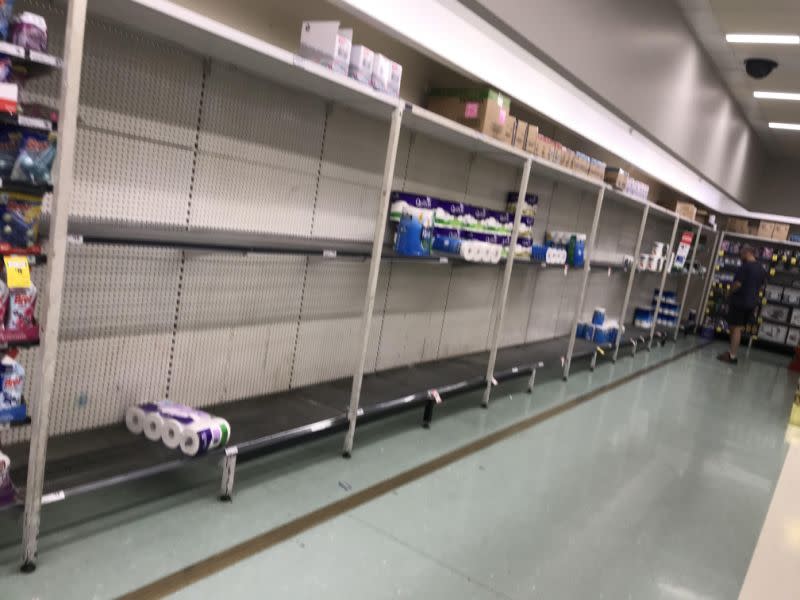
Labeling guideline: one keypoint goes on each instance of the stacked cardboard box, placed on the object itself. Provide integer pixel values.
(482, 109)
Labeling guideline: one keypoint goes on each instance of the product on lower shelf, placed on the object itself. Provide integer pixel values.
(12, 382)
(7, 491)
(29, 31)
(178, 426)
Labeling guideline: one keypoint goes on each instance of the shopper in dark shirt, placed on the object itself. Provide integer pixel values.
(743, 299)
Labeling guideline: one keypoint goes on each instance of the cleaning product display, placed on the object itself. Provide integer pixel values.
(12, 376)
(178, 426)
(643, 317)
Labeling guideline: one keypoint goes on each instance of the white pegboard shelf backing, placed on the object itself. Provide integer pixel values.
(211, 38)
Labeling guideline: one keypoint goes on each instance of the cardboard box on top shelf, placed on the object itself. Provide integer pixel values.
(781, 232)
(687, 210)
(581, 163)
(482, 109)
(532, 138)
(616, 177)
(324, 42)
(736, 225)
(520, 134)
(508, 130)
(765, 229)
(752, 228)
(361, 62)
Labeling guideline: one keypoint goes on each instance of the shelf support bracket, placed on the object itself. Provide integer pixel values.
(51, 309)
(228, 473)
(664, 273)
(631, 278)
(372, 279)
(685, 294)
(598, 207)
(501, 307)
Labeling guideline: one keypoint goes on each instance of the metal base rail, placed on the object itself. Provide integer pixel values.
(513, 363)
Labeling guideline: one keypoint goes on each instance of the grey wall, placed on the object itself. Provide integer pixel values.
(639, 58)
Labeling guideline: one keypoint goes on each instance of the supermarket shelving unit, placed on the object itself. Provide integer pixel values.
(783, 274)
(309, 410)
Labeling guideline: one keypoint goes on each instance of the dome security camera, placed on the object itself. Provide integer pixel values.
(759, 68)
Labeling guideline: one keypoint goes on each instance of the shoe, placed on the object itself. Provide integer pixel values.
(726, 358)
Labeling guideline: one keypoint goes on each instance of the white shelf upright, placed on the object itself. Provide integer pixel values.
(51, 307)
(631, 277)
(374, 268)
(664, 273)
(686, 285)
(498, 322)
(598, 207)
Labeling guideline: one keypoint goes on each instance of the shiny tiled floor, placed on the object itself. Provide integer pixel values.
(657, 489)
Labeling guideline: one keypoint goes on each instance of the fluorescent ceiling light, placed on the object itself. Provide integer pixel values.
(756, 38)
(789, 126)
(777, 96)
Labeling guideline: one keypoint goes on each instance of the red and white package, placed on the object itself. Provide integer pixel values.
(21, 306)
(3, 304)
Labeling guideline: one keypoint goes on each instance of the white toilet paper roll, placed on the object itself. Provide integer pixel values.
(173, 431)
(496, 253)
(203, 436)
(153, 426)
(470, 251)
(485, 250)
(135, 416)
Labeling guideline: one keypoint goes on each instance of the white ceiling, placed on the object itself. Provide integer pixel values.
(712, 19)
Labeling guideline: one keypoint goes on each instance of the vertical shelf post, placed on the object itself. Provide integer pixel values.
(51, 308)
(586, 270)
(631, 277)
(688, 281)
(374, 268)
(664, 273)
(701, 308)
(512, 245)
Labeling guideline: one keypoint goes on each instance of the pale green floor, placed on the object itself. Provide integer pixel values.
(656, 489)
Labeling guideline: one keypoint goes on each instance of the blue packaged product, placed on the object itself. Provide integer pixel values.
(413, 238)
(6, 12)
(581, 330)
(449, 245)
(599, 316)
(10, 140)
(35, 159)
(12, 382)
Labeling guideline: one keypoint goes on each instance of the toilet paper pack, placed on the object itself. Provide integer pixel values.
(414, 204)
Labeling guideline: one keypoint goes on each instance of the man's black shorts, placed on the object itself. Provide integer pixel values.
(740, 317)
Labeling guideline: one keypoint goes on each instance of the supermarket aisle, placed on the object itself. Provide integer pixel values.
(656, 489)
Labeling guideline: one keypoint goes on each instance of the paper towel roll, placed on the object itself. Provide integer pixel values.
(203, 436)
(135, 415)
(153, 426)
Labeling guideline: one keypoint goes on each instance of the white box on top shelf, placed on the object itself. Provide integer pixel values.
(326, 43)
(362, 60)
(386, 75)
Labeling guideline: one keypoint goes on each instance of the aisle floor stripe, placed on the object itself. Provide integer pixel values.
(220, 561)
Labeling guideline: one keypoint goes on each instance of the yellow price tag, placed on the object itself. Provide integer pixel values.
(764, 302)
(717, 268)
(774, 258)
(721, 253)
(772, 272)
(794, 260)
(785, 258)
(18, 272)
